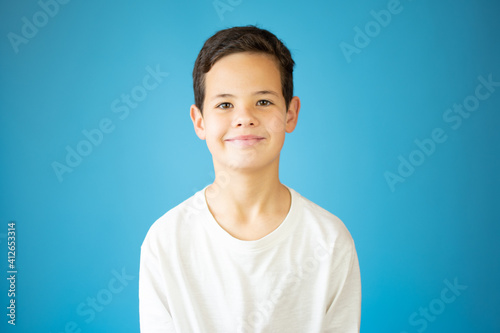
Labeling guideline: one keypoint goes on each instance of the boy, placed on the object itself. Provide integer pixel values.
(247, 253)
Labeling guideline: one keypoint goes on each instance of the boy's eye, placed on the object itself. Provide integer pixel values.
(263, 102)
(224, 105)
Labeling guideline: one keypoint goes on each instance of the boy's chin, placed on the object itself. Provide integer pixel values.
(244, 164)
(235, 165)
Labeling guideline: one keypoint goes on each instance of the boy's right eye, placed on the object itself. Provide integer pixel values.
(224, 105)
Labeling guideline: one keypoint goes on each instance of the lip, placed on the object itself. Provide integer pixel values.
(245, 140)
(245, 137)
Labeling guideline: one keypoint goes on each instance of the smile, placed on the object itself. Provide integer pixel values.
(245, 140)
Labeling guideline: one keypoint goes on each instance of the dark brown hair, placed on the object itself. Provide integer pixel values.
(242, 39)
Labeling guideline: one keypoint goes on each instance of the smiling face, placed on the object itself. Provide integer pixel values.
(244, 113)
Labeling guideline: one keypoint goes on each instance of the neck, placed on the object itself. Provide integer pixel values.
(245, 196)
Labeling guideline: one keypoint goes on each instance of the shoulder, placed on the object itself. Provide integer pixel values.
(173, 225)
(326, 227)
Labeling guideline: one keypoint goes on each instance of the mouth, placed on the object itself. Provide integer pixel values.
(245, 140)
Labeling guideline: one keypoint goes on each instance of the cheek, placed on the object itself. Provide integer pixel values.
(281, 139)
(213, 145)
(277, 123)
(214, 131)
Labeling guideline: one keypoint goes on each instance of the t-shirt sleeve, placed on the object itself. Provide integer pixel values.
(153, 306)
(344, 313)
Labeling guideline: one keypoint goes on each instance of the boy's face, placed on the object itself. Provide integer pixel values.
(244, 113)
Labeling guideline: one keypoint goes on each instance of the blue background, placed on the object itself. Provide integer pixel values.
(359, 114)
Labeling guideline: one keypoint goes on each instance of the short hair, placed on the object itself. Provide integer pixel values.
(242, 39)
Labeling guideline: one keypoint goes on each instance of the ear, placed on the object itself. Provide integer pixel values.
(292, 114)
(198, 122)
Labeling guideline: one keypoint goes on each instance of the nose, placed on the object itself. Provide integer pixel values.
(245, 117)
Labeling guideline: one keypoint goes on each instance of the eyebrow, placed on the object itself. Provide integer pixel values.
(260, 92)
(266, 92)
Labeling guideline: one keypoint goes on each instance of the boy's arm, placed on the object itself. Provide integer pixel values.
(344, 314)
(153, 306)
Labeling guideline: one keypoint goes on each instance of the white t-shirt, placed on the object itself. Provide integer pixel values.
(302, 277)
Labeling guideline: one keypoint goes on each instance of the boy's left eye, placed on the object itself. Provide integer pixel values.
(264, 102)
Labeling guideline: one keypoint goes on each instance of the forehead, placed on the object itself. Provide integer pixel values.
(243, 72)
